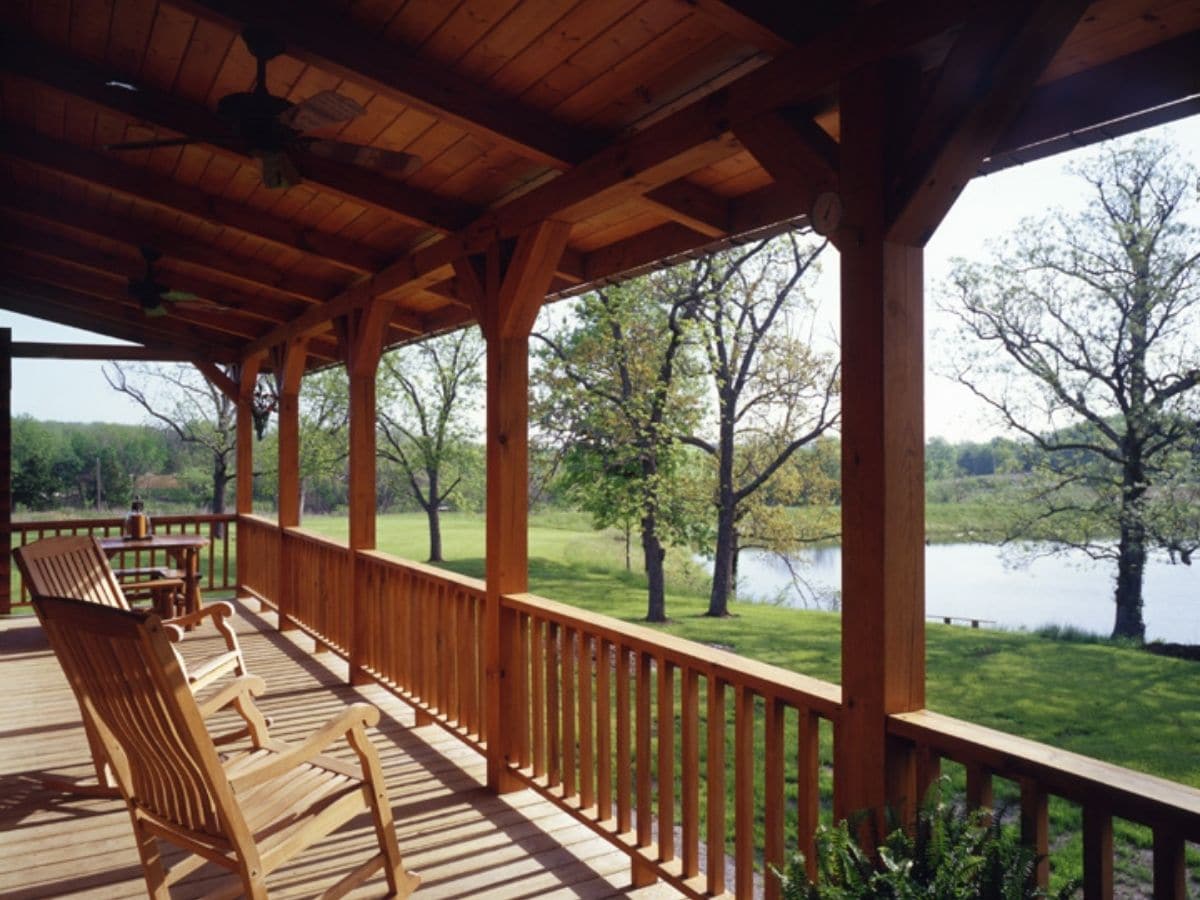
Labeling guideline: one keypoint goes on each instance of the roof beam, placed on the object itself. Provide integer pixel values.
(797, 154)
(930, 184)
(26, 55)
(333, 43)
(1136, 91)
(767, 24)
(131, 181)
(31, 205)
(664, 151)
(96, 352)
(693, 206)
(117, 320)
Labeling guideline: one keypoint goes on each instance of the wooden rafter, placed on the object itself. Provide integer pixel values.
(31, 58)
(771, 26)
(96, 352)
(931, 183)
(334, 44)
(106, 172)
(218, 379)
(31, 206)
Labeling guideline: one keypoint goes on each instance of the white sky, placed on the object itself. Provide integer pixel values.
(989, 208)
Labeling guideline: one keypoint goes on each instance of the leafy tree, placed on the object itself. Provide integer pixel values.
(774, 392)
(1084, 341)
(35, 452)
(426, 391)
(192, 408)
(615, 387)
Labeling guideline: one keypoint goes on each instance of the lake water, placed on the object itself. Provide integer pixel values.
(983, 581)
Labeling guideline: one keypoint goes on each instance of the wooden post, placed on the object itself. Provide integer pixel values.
(289, 371)
(363, 345)
(244, 502)
(506, 294)
(6, 470)
(883, 499)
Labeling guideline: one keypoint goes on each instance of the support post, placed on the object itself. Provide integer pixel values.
(363, 344)
(289, 371)
(883, 500)
(244, 502)
(6, 470)
(507, 291)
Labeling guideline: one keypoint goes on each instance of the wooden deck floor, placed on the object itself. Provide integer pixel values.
(464, 841)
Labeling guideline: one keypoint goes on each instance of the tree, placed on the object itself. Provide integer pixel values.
(425, 393)
(1085, 342)
(615, 388)
(191, 407)
(774, 392)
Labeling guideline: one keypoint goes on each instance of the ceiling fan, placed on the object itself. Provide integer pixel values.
(273, 129)
(151, 293)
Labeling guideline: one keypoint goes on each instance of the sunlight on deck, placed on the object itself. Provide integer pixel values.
(464, 841)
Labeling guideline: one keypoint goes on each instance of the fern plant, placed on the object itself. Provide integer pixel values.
(951, 854)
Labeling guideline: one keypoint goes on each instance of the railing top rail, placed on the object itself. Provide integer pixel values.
(1137, 796)
(428, 571)
(257, 519)
(117, 521)
(313, 537)
(764, 679)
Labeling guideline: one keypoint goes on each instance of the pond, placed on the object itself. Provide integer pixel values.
(984, 581)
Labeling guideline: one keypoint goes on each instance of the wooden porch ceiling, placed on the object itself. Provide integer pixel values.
(654, 127)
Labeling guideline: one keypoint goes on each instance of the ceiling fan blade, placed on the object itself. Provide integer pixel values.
(155, 311)
(151, 145)
(320, 110)
(392, 161)
(178, 296)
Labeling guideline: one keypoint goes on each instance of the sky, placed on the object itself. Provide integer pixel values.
(989, 208)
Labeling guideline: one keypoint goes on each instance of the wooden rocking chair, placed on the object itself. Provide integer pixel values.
(75, 566)
(250, 811)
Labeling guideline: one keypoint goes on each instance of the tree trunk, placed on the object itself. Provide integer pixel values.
(652, 548)
(1131, 557)
(220, 483)
(723, 565)
(435, 521)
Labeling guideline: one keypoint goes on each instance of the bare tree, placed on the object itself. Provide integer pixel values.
(423, 390)
(1084, 341)
(194, 409)
(775, 393)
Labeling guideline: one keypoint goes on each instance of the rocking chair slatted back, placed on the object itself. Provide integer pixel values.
(130, 684)
(70, 565)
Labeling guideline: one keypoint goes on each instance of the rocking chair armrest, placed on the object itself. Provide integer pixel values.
(244, 686)
(217, 610)
(288, 756)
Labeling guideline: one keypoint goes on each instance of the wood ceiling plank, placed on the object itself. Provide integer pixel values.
(129, 33)
(464, 28)
(169, 37)
(91, 21)
(334, 44)
(417, 20)
(118, 176)
(202, 59)
(524, 24)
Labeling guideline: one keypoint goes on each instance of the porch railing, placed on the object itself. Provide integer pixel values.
(666, 747)
(217, 564)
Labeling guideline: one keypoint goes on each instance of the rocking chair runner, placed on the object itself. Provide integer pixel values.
(249, 813)
(75, 566)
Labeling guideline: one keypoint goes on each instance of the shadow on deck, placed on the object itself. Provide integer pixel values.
(463, 840)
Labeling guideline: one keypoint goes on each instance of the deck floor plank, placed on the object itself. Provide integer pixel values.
(463, 840)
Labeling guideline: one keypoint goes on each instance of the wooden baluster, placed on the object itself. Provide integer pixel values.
(587, 758)
(524, 699)
(743, 791)
(480, 614)
(979, 787)
(666, 761)
(624, 761)
(689, 739)
(538, 700)
(568, 712)
(929, 770)
(643, 874)
(553, 744)
(1035, 828)
(1097, 853)
(808, 786)
(715, 778)
(604, 650)
(1170, 869)
(773, 779)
